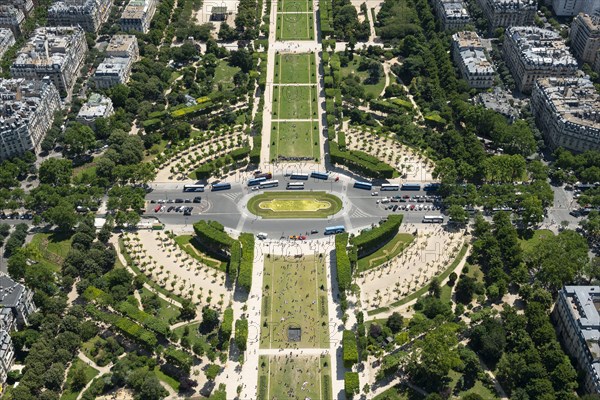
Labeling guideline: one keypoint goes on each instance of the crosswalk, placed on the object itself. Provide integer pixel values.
(232, 196)
(358, 213)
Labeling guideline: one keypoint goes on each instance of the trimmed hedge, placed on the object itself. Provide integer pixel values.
(226, 327)
(360, 162)
(180, 358)
(212, 235)
(235, 258)
(255, 152)
(349, 349)
(342, 261)
(127, 327)
(368, 242)
(93, 294)
(351, 384)
(146, 320)
(241, 333)
(240, 154)
(326, 17)
(247, 261)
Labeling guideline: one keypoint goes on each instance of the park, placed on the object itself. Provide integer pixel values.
(294, 205)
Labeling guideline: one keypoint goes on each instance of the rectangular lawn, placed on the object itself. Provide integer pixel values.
(294, 6)
(295, 102)
(294, 297)
(295, 26)
(295, 68)
(307, 377)
(295, 139)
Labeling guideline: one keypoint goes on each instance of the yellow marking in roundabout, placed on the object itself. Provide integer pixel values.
(281, 205)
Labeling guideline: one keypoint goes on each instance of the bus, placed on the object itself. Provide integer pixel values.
(268, 184)
(303, 177)
(430, 187)
(193, 188)
(319, 175)
(411, 186)
(363, 185)
(332, 230)
(433, 219)
(498, 209)
(389, 186)
(295, 186)
(220, 186)
(256, 181)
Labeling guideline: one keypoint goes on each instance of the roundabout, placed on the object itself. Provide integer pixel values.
(294, 205)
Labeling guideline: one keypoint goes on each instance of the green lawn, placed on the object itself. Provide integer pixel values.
(370, 89)
(90, 373)
(301, 375)
(295, 102)
(224, 75)
(167, 311)
(294, 6)
(534, 241)
(174, 383)
(295, 139)
(53, 248)
(399, 392)
(386, 253)
(477, 388)
(189, 244)
(194, 335)
(294, 204)
(294, 296)
(295, 26)
(295, 68)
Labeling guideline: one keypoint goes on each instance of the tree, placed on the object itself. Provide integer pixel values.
(210, 319)
(78, 139)
(435, 289)
(395, 322)
(533, 211)
(466, 289)
(62, 215)
(56, 172)
(79, 380)
(458, 214)
(211, 371)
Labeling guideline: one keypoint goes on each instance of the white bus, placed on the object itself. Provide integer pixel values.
(433, 219)
(193, 188)
(295, 186)
(389, 186)
(268, 184)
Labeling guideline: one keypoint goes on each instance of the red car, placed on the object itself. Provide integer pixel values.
(301, 237)
(157, 208)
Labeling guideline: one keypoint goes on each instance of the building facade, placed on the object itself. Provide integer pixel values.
(7, 354)
(585, 38)
(469, 55)
(569, 8)
(505, 13)
(26, 113)
(452, 14)
(89, 14)
(578, 325)
(567, 111)
(96, 107)
(7, 39)
(24, 5)
(11, 18)
(532, 53)
(112, 71)
(123, 46)
(57, 53)
(137, 15)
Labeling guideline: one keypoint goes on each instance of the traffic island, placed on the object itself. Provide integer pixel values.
(294, 205)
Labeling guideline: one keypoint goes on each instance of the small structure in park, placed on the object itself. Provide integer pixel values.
(218, 13)
(294, 334)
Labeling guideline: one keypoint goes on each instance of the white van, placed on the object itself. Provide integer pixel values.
(261, 235)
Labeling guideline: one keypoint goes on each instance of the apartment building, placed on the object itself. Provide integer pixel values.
(24, 5)
(11, 18)
(137, 15)
(123, 46)
(505, 13)
(569, 8)
(577, 323)
(452, 14)
(88, 14)
(469, 55)
(96, 107)
(7, 355)
(7, 39)
(567, 111)
(57, 53)
(112, 71)
(585, 38)
(532, 53)
(26, 113)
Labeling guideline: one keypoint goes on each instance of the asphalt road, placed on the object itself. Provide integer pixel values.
(360, 209)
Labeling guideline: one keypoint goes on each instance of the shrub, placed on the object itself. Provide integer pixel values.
(369, 241)
(351, 384)
(241, 333)
(344, 270)
(246, 263)
(350, 349)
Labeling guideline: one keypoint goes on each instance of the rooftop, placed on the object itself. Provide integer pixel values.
(539, 46)
(120, 43)
(10, 291)
(512, 4)
(576, 101)
(48, 46)
(454, 9)
(112, 65)
(96, 106)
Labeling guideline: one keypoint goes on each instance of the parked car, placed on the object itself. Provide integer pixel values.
(197, 199)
